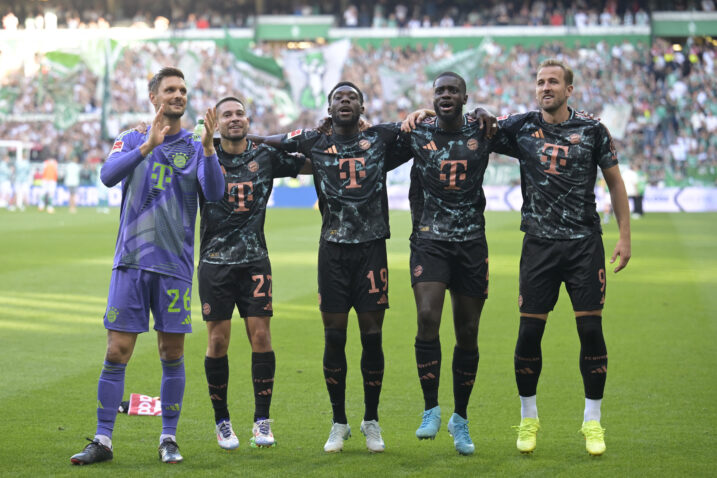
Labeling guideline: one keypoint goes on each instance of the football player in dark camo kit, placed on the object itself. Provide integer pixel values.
(448, 248)
(349, 168)
(559, 151)
(234, 268)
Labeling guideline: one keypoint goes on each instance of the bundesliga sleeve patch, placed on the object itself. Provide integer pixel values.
(294, 133)
(117, 146)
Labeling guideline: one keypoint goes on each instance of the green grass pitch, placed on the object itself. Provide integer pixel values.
(659, 408)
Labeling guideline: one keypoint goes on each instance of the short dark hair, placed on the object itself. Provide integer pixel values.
(345, 83)
(165, 72)
(567, 71)
(453, 75)
(230, 98)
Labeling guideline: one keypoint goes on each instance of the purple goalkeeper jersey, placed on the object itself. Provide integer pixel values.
(159, 200)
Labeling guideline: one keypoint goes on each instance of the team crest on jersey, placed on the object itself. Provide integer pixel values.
(364, 144)
(472, 144)
(429, 120)
(294, 133)
(206, 308)
(180, 160)
(117, 146)
(253, 166)
(574, 138)
(112, 314)
(417, 271)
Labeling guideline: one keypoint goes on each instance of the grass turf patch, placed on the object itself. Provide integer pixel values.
(659, 324)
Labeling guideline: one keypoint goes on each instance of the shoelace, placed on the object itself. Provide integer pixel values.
(526, 431)
(264, 426)
(427, 418)
(462, 430)
(594, 432)
(225, 429)
(372, 431)
(95, 443)
(170, 446)
(336, 432)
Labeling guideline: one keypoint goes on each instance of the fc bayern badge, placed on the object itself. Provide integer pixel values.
(364, 144)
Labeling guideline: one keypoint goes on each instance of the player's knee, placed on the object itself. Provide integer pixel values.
(119, 350)
(170, 350)
(591, 334)
(467, 336)
(261, 339)
(429, 320)
(530, 330)
(218, 346)
(335, 338)
(589, 327)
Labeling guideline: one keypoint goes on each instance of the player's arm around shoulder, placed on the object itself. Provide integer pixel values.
(621, 207)
(286, 164)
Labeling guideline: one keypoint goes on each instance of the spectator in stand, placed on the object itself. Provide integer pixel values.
(72, 181)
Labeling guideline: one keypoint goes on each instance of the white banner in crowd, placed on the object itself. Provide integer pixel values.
(313, 72)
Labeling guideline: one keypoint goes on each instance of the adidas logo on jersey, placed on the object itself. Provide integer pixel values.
(538, 134)
(331, 150)
(430, 146)
(382, 300)
(187, 320)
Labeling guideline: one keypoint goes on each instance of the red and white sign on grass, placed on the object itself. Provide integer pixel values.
(144, 405)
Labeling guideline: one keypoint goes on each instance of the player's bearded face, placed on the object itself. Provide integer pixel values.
(233, 121)
(345, 108)
(172, 93)
(551, 91)
(449, 96)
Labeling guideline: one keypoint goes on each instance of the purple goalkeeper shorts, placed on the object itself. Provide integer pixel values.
(134, 292)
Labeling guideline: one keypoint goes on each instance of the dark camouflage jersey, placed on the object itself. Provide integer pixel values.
(558, 168)
(446, 193)
(350, 179)
(232, 230)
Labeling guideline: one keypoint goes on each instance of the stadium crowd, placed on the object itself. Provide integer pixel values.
(670, 94)
(378, 13)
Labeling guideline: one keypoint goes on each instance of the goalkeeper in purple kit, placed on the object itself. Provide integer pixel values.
(162, 173)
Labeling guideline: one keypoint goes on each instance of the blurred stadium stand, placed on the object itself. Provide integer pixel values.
(74, 73)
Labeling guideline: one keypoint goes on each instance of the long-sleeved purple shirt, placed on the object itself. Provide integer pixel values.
(159, 200)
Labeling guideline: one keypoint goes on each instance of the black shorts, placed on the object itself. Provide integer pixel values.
(222, 286)
(544, 264)
(353, 275)
(462, 266)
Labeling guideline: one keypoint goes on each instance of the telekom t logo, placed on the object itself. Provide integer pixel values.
(453, 174)
(551, 153)
(352, 174)
(240, 193)
(163, 176)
